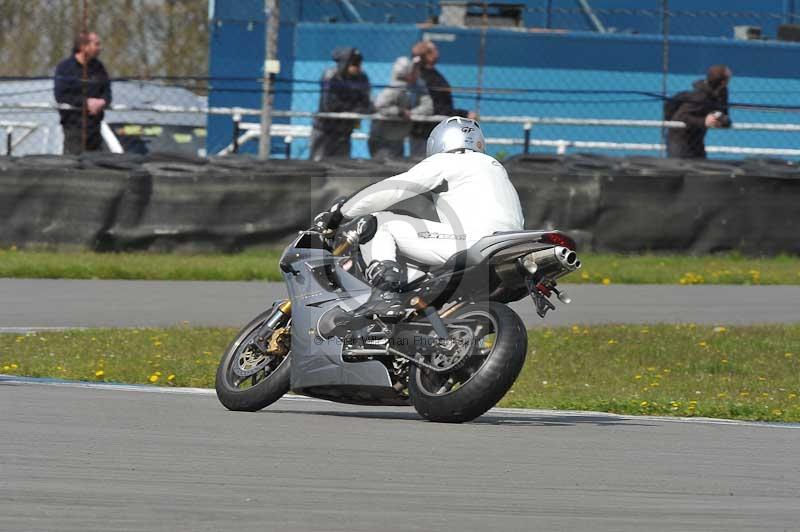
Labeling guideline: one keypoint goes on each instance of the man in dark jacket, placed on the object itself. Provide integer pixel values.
(89, 95)
(344, 89)
(706, 106)
(427, 54)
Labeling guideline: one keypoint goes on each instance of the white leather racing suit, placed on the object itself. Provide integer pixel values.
(472, 195)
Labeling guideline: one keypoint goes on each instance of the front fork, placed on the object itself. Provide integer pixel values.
(279, 313)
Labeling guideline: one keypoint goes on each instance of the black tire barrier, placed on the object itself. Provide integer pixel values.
(111, 161)
(57, 206)
(652, 166)
(772, 168)
(249, 164)
(127, 202)
(49, 161)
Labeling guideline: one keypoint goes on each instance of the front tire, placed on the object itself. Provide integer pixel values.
(268, 383)
(497, 356)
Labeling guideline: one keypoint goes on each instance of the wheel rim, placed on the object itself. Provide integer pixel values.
(247, 366)
(483, 345)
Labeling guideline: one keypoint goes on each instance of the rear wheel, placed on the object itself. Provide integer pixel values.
(486, 371)
(249, 379)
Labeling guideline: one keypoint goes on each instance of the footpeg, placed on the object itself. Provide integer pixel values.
(562, 296)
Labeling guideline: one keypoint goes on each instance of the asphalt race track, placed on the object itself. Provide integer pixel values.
(40, 304)
(88, 459)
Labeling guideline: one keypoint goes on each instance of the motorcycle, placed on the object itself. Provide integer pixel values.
(447, 344)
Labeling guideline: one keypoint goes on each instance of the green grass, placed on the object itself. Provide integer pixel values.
(683, 370)
(248, 266)
(263, 265)
(684, 269)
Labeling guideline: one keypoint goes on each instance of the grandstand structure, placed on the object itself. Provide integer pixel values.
(590, 66)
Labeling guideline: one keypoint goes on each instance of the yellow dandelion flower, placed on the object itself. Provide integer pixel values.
(6, 368)
(792, 396)
(99, 373)
(644, 403)
(744, 394)
(654, 384)
(724, 360)
(777, 412)
(606, 281)
(703, 344)
(722, 395)
(153, 378)
(637, 377)
(14, 366)
(787, 355)
(612, 342)
(585, 276)
(157, 344)
(171, 377)
(719, 329)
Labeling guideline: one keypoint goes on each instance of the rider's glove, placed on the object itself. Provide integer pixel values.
(328, 221)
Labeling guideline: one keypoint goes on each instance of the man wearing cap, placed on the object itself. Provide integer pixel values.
(344, 89)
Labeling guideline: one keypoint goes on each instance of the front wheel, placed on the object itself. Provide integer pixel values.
(249, 379)
(497, 350)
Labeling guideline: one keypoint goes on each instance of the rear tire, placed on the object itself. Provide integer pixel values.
(484, 380)
(262, 393)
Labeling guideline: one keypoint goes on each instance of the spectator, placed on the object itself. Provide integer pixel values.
(706, 106)
(89, 95)
(404, 98)
(344, 88)
(440, 92)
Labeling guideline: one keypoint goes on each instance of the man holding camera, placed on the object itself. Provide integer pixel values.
(704, 107)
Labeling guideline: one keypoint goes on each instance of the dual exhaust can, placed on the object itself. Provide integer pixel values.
(553, 262)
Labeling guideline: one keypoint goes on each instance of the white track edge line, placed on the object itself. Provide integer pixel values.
(12, 379)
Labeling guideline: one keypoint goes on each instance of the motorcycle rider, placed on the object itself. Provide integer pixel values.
(473, 197)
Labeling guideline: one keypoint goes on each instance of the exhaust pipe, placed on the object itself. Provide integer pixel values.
(567, 258)
(558, 258)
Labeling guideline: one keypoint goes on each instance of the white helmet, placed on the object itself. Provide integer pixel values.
(456, 133)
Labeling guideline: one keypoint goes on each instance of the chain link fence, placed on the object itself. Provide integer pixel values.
(543, 75)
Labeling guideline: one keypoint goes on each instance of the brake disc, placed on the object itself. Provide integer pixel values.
(250, 361)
